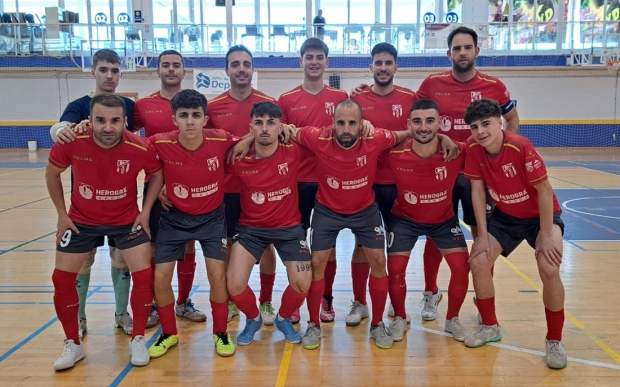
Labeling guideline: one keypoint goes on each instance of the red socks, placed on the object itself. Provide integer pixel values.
(246, 302)
(185, 276)
(486, 307)
(219, 311)
(315, 296)
(397, 271)
(359, 276)
(459, 282)
(432, 261)
(168, 319)
(66, 303)
(291, 300)
(330, 277)
(266, 287)
(141, 300)
(555, 324)
(378, 288)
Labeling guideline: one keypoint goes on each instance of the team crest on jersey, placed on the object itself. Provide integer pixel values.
(494, 195)
(441, 173)
(122, 166)
(181, 191)
(476, 95)
(445, 123)
(213, 164)
(330, 108)
(333, 182)
(529, 167)
(86, 191)
(258, 197)
(509, 170)
(397, 110)
(283, 169)
(361, 161)
(411, 197)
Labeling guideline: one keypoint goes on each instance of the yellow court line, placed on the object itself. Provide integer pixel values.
(569, 315)
(284, 364)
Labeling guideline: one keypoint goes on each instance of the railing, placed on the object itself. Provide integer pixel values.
(354, 39)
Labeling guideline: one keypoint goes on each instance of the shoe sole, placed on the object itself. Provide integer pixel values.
(225, 354)
(244, 344)
(68, 368)
(311, 347)
(141, 364)
(498, 338)
(326, 320)
(165, 352)
(454, 337)
(193, 319)
(557, 368)
(384, 346)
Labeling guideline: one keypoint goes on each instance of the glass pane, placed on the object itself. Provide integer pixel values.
(363, 12)
(245, 29)
(10, 6)
(100, 11)
(163, 29)
(215, 26)
(288, 29)
(404, 12)
(451, 8)
(404, 23)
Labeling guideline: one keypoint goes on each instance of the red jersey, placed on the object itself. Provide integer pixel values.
(233, 116)
(510, 176)
(424, 185)
(194, 178)
(301, 108)
(105, 188)
(345, 175)
(453, 98)
(376, 108)
(154, 114)
(269, 197)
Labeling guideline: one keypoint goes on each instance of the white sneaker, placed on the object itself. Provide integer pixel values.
(556, 355)
(82, 328)
(189, 312)
(232, 311)
(454, 326)
(139, 353)
(268, 313)
(153, 317)
(357, 313)
(70, 355)
(429, 305)
(391, 310)
(398, 327)
(485, 334)
(124, 321)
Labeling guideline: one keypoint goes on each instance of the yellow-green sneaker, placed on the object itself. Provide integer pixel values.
(163, 343)
(223, 344)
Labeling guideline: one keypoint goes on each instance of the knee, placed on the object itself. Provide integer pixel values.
(217, 273)
(549, 273)
(235, 287)
(479, 265)
(302, 283)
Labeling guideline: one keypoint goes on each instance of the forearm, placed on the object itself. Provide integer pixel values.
(545, 207)
(155, 185)
(56, 192)
(57, 128)
(479, 202)
(402, 135)
(512, 124)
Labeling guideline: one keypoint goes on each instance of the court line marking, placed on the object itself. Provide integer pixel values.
(27, 242)
(285, 363)
(21, 171)
(595, 224)
(564, 205)
(608, 350)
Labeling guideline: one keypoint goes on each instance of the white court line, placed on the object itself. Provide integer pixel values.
(525, 350)
(595, 170)
(22, 171)
(564, 204)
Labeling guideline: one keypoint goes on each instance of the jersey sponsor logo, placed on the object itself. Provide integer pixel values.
(509, 170)
(181, 191)
(456, 231)
(283, 169)
(303, 244)
(379, 230)
(225, 243)
(333, 182)
(122, 166)
(206, 190)
(493, 194)
(411, 197)
(257, 197)
(388, 134)
(81, 158)
(86, 191)
(275, 196)
(460, 124)
(441, 173)
(330, 108)
(445, 123)
(537, 164)
(397, 110)
(434, 197)
(361, 161)
(529, 167)
(355, 184)
(476, 95)
(213, 163)
(110, 194)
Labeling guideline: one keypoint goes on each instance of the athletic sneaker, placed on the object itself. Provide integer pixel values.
(391, 310)
(454, 326)
(429, 305)
(246, 337)
(357, 313)
(232, 311)
(285, 325)
(188, 311)
(139, 354)
(124, 321)
(398, 327)
(327, 313)
(267, 312)
(484, 334)
(223, 344)
(162, 345)
(153, 317)
(382, 335)
(556, 356)
(296, 316)
(479, 315)
(71, 354)
(311, 337)
(82, 328)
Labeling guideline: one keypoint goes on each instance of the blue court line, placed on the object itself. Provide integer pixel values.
(27, 242)
(19, 190)
(574, 244)
(25, 204)
(586, 220)
(36, 333)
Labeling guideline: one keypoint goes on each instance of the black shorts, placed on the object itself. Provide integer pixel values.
(290, 242)
(462, 192)
(404, 233)
(385, 194)
(155, 214)
(176, 228)
(307, 197)
(232, 201)
(510, 231)
(365, 225)
(89, 236)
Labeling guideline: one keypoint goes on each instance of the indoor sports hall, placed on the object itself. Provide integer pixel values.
(560, 60)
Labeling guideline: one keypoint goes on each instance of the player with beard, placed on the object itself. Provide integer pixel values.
(154, 114)
(231, 111)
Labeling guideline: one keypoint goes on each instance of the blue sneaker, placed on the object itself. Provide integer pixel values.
(246, 337)
(286, 326)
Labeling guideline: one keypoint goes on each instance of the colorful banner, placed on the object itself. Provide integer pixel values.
(545, 13)
(593, 15)
(436, 35)
(215, 81)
